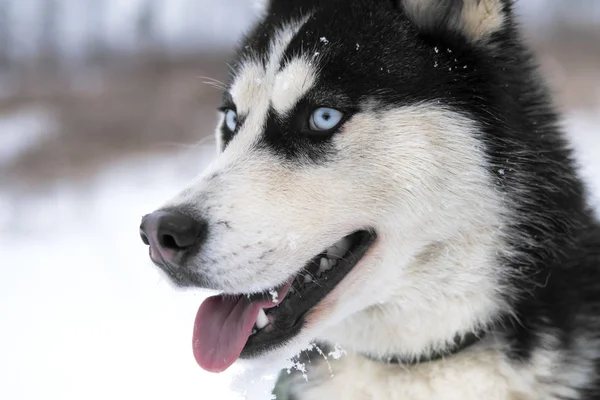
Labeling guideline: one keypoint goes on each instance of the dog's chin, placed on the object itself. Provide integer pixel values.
(272, 321)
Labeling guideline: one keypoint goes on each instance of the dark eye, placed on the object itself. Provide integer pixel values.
(231, 120)
(324, 119)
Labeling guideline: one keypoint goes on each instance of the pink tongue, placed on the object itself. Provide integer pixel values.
(223, 326)
(221, 330)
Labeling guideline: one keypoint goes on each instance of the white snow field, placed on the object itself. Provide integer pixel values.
(84, 314)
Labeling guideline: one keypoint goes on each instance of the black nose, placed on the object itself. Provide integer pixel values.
(169, 233)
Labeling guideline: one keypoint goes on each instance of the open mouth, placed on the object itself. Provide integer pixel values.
(228, 327)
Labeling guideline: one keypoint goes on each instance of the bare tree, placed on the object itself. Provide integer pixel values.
(5, 35)
(146, 28)
(49, 36)
(579, 11)
(97, 49)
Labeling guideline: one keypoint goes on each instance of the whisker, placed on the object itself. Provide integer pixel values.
(215, 83)
(230, 68)
(314, 278)
(208, 78)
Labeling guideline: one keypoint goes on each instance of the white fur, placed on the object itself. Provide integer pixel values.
(481, 18)
(291, 84)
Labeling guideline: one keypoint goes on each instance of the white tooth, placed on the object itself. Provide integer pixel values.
(339, 249)
(262, 320)
(333, 262)
(307, 278)
(324, 265)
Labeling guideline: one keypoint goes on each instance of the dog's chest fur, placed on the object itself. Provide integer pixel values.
(482, 373)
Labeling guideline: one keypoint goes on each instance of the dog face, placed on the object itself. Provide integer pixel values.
(352, 189)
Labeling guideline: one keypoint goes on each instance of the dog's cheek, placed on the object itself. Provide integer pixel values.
(408, 160)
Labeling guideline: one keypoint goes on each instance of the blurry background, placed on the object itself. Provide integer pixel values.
(106, 109)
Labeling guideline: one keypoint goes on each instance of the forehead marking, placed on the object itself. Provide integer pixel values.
(248, 89)
(254, 82)
(292, 83)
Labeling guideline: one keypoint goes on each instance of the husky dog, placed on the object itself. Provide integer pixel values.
(392, 180)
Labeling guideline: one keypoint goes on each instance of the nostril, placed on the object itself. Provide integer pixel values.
(169, 242)
(144, 237)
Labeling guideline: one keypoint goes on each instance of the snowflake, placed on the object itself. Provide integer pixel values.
(297, 365)
(337, 352)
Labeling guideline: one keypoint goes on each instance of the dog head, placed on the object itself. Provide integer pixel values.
(353, 198)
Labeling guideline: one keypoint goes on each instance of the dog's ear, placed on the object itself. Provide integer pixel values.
(261, 6)
(477, 20)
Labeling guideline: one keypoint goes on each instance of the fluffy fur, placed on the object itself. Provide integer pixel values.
(452, 154)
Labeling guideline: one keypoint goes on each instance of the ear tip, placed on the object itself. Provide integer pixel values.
(260, 6)
(430, 14)
(475, 19)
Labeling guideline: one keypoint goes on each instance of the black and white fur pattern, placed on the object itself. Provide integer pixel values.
(452, 154)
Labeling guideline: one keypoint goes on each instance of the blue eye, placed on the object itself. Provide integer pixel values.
(325, 119)
(231, 120)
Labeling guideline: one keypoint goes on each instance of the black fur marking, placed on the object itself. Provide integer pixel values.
(288, 137)
(226, 136)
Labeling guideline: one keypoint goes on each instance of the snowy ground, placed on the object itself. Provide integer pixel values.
(83, 313)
